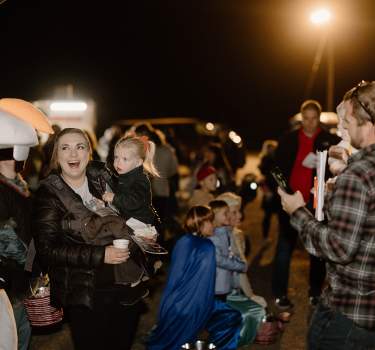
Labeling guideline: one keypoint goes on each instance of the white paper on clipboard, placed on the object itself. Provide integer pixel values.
(320, 174)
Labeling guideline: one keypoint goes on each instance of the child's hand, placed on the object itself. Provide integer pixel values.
(259, 300)
(108, 197)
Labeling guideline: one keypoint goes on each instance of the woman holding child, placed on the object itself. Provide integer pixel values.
(103, 315)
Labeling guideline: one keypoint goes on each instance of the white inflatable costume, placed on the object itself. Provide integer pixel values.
(19, 121)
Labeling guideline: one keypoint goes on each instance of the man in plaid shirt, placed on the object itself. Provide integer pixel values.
(345, 318)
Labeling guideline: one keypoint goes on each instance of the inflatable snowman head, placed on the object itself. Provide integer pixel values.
(19, 121)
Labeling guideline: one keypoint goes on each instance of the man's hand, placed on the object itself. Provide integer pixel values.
(291, 202)
(338, 152)
(108, 197)
(337, 159)
(115, 255)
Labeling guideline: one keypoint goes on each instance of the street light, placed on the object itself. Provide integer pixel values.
(320, 16)
(323, 17)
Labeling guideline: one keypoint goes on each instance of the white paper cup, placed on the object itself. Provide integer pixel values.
(121, 243)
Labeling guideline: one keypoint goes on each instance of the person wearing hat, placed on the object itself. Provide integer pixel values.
(206, 178)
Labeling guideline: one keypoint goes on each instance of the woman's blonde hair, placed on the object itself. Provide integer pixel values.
(54, 164)
(143, 148)
(195, 218)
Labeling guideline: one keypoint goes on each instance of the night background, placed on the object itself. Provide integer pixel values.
(245, 63)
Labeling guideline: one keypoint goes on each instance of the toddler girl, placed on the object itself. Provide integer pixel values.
(133, 161)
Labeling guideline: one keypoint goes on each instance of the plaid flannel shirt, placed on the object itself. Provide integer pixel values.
(346, 239)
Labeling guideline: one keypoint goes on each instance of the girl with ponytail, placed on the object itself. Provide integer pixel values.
(133, 161)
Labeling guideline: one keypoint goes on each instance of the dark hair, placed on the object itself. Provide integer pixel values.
(53, 164)
(146, 129)
(217, 204)
(221, 160)
(195, 218)
(311, 104)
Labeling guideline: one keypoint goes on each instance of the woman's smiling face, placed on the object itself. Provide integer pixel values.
(73, 155)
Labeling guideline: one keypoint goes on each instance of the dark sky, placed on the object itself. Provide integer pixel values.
(245, 63)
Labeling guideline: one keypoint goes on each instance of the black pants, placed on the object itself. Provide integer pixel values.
(281, 263)
(109, 325)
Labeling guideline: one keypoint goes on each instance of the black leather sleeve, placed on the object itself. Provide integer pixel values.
(54, 246)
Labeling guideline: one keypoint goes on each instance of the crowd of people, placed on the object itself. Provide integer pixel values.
(81, 204)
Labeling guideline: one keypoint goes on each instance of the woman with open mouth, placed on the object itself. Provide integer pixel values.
(102, 314)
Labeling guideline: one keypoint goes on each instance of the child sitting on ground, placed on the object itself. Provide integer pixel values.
(189, 292)
(241, 280)
(226, 262)
(242, 297)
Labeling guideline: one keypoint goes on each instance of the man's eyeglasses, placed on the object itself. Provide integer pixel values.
(355, 94)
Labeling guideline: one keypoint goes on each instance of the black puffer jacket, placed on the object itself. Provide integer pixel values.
(70, 262)
(133, 196)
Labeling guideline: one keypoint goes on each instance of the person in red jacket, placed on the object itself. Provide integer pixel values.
(295, 156)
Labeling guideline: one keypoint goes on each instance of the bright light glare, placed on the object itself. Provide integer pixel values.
(237, 139)
(234, 137)
(321, 16)
(210, 126)
(253, 186)
(68, 106)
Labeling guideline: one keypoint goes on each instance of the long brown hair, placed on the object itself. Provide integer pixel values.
(54, 164)
(195, 218)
